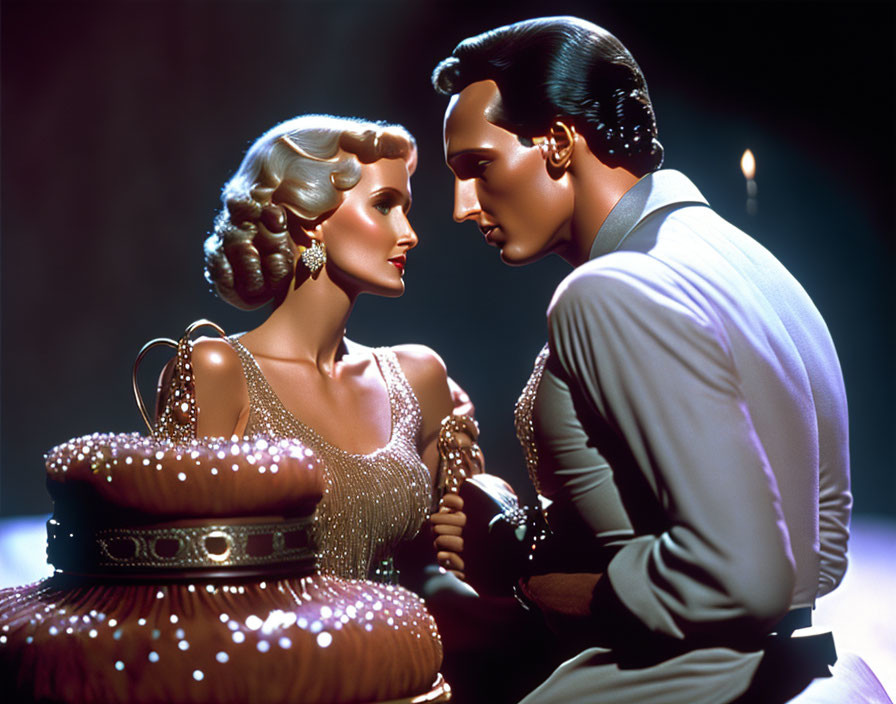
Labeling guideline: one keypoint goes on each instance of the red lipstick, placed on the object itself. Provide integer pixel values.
(399, 262)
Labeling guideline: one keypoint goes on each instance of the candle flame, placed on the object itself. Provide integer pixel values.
(748, 165)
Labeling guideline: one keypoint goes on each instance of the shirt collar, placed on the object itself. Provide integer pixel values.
(654, 191)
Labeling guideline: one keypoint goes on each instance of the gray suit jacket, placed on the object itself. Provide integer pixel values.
(692, 434)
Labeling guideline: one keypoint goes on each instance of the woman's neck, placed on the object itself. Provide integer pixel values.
(308, 326)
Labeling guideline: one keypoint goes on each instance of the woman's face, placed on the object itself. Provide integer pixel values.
(368, 236)
(502, 184)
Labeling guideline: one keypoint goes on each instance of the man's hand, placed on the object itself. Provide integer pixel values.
(564, 599)
(562, 594)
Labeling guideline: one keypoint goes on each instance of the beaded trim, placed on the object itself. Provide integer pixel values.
(178, 418)
(522, 417)
(212, 546)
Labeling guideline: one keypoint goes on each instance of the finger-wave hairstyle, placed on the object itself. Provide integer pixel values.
(554, 67)
(302, 166)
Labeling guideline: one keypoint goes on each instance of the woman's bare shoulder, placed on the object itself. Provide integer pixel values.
(215, 358)
(221, 391)
(428, 377)
(422, 365)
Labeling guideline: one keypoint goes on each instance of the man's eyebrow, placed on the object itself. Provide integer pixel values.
(462, 152)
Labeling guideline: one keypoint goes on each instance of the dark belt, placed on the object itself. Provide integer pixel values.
(807, 650)
(791, 660)
(793, 620)
(813, 649)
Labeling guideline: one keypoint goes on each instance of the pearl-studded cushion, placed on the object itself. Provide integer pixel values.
(202, 478)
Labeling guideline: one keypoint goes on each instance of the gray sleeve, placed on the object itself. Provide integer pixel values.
(658, 370)
(586, 504)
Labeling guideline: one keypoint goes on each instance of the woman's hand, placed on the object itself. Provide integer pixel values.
(448, 524)
(463, 406)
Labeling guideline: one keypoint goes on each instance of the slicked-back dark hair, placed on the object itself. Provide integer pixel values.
(554, 67)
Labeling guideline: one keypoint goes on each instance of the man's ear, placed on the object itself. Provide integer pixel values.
(558, 145)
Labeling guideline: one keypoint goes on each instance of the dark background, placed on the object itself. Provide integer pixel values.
(121, 122)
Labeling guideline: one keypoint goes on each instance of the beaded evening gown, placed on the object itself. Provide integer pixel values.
(185, 568)
(371, 502)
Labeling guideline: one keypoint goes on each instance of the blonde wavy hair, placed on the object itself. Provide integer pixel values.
(302, 166)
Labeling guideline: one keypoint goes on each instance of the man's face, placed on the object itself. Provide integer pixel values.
(502, 184)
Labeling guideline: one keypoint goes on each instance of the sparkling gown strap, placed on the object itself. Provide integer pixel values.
(404, 401)
(178, 415)
(263, 402)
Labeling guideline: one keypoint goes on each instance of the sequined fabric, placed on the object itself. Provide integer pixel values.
(314, 639)
(371, 502)
(522, 417)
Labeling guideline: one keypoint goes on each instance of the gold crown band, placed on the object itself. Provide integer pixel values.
(212, 546)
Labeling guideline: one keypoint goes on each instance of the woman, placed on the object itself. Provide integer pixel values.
(315, 216)
(185, 560)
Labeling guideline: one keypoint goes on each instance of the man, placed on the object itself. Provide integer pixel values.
(687, 419)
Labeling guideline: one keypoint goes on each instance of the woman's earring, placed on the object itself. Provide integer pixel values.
(314, 257)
